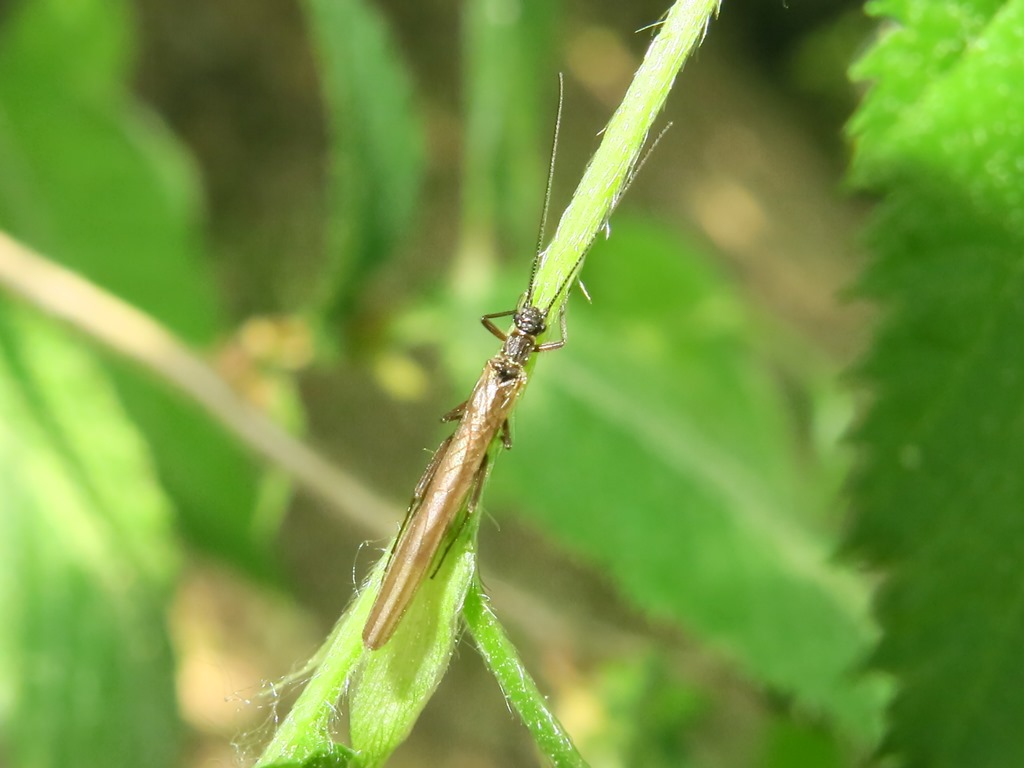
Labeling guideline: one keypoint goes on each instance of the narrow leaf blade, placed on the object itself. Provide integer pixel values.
(376, 144)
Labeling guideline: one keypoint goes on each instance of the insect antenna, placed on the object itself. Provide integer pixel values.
(541, 232)
(633, 173)
(630, 178)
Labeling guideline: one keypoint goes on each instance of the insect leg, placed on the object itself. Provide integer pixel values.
(547, 345)
(490, 326)
(455, 413)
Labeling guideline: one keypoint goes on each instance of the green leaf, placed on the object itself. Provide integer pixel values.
(656, 444)
(387, 688)
(94, 182)
(795, 745)
(337, 757)
(651, 714)
(89, 177)
(395, 682)
(939, 495)
(86, 562)
(906, 65)
(305, 736)
(376, 144)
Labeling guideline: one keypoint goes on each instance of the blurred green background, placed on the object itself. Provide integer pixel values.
(322, 198)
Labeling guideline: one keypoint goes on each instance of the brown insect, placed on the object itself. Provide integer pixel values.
(455, 476)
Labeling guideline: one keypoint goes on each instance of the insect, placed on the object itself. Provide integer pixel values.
(454, 478)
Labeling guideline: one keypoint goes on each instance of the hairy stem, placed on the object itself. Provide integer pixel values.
(610, 169)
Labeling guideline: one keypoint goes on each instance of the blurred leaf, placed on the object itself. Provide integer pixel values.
(91, 178)
(648, 715)
(819, 67)
(93, 181)
(656, 444)
(507, 46)
(791, 745)
(87, 559)
(376, 144)
(940, 491)
(340, 757)
(929, 44)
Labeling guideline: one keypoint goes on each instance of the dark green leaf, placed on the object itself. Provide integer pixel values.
(650, 714)
(95, 183)
(940, 492)
(505, 52)
(793, 745)
(376, 144)
(87, 559)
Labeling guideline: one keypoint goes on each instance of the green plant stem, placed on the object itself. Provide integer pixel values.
(306, 732)
(595, 198)
(520, 691)
(624, 138)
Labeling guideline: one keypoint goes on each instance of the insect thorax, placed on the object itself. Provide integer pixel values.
(515, 353)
